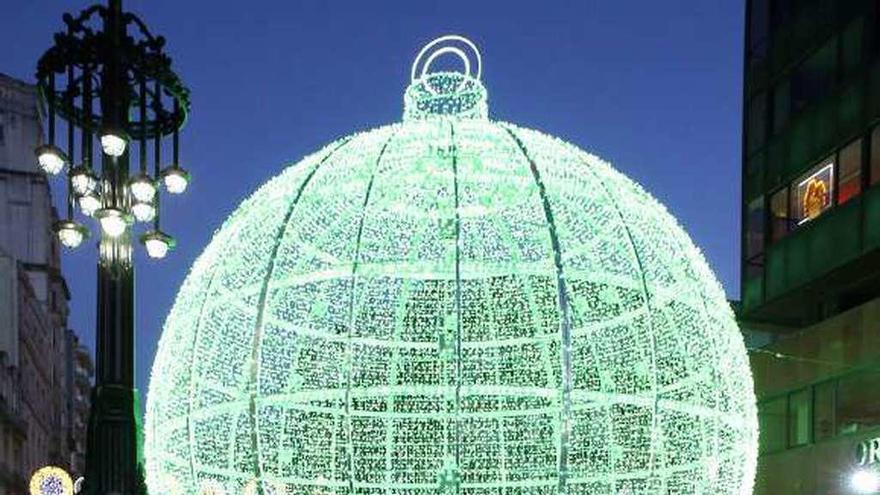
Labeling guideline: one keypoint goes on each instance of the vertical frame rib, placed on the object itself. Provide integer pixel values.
(258, 327)
(564, 318)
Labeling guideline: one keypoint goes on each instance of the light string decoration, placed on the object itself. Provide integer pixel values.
(51, 480)
(451, 305)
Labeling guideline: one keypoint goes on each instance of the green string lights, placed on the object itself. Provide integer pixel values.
(451, 305)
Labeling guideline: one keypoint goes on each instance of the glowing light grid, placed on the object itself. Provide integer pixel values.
(451, 305)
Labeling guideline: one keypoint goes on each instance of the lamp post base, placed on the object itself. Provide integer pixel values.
(114, 460)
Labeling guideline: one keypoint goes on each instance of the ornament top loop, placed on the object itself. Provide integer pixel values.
(444, 93)
(457, 45)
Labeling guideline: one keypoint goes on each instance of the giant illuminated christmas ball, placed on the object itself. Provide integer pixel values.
(451, 304)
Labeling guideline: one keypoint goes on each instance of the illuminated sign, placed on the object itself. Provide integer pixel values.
(868, 452)
(814, 193)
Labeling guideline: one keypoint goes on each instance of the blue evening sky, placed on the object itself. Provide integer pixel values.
(654, 87)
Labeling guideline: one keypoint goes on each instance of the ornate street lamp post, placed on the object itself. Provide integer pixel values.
(107, 76)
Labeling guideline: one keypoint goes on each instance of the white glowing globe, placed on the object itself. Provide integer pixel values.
(175, 181)
(451, 304)
(70, 236)
(112, 221)
(113, 144)
(143, 189)
(156, 248)
(143, 212)
(50, 159)
(89, 204)
(82, 181)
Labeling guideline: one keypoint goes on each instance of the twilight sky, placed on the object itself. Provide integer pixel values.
(653, 87)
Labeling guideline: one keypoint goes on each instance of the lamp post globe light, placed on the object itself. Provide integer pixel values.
(108, 76)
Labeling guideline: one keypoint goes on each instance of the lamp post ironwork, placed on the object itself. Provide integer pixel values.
(108, 76)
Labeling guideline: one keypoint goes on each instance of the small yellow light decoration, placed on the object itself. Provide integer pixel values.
(51, 480)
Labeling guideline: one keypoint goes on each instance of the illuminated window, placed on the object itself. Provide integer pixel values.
(799, 418)
(813, 192)
(779, 221)
(875, 155)
(771, 425)
(850, 160)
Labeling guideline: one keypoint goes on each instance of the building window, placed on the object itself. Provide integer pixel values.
(759, 29)
(779, 221)
(755, 244)
(799, 418)
(850, 182)
(823, 410)
(813, 79)
(756, 132)
(771, 425)
(781, 105)
(813, 192)
(851, 45)
(875, 156)
(781, 12)
(836, 180)
(755, 237)
(858, 402)
(840, 406)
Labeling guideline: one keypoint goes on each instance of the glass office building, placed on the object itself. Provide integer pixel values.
(811, 241)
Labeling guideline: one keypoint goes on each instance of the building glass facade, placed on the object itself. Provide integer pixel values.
(811, 238)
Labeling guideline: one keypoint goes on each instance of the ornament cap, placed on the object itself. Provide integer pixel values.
(446, 93)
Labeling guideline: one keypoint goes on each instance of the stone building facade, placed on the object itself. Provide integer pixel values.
(81, 370)
(38, 356)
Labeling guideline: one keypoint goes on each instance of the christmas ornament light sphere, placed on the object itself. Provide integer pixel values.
(451, 304)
